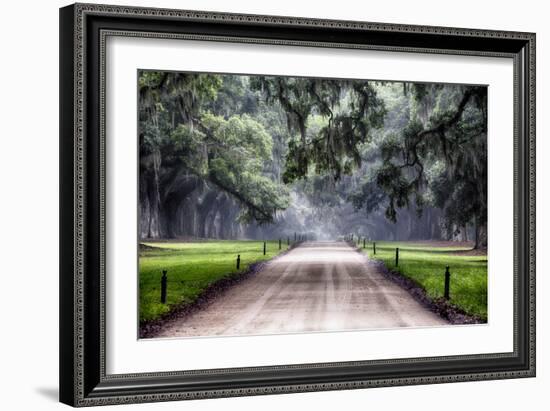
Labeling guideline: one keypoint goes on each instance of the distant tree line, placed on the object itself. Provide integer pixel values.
(229, 156)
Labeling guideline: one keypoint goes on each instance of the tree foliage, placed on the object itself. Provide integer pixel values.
(438, 157)
(350, 109)
(226, 152)
(267, 144)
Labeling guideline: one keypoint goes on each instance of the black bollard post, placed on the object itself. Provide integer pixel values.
(294, 236)
(352, 237)
(238, 261)
(396, 257)
(364, 242)
(264, 247)
(374, 247)
(279, 243)
(288, 241)
(447, 282)
(163, 282)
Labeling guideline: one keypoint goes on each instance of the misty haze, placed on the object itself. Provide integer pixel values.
(271, 204)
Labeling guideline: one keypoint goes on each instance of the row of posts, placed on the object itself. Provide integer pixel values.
(297, 238)
(351, 237)
(447, 272)
(164, 278)
(447, 284)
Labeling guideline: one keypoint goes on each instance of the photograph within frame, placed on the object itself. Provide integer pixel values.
(279, 204)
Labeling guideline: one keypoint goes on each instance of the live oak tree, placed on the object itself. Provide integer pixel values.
(225, 155)
(184, 149)
(438, 157)
(236, 150)
(349, 108)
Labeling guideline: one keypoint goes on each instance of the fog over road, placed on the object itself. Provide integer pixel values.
(318, 286)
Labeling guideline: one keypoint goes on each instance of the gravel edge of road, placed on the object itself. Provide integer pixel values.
(440, 306)
(151, 328)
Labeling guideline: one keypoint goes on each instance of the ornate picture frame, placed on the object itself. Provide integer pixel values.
(84, 30)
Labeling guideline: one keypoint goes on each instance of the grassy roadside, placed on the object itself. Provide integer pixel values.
(192, 267)
(425, 264)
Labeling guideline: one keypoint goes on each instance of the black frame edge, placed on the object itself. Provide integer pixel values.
(66, 203)
(529, 135)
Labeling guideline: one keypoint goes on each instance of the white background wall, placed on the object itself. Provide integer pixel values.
(29, 204)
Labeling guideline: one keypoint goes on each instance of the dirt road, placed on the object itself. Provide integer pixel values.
(318, 286)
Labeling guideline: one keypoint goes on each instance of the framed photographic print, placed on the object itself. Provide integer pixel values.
(261, 204)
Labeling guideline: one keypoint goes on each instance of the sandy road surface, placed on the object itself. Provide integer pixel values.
(319, 286)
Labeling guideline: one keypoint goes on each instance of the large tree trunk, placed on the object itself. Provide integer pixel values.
(150, 199)
(480, 234)
(204, 209)
(476, 227)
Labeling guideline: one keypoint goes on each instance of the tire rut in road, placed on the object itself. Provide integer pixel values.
(315, 287)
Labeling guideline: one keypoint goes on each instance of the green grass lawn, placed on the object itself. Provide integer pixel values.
(425, 264)
(192, 266)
